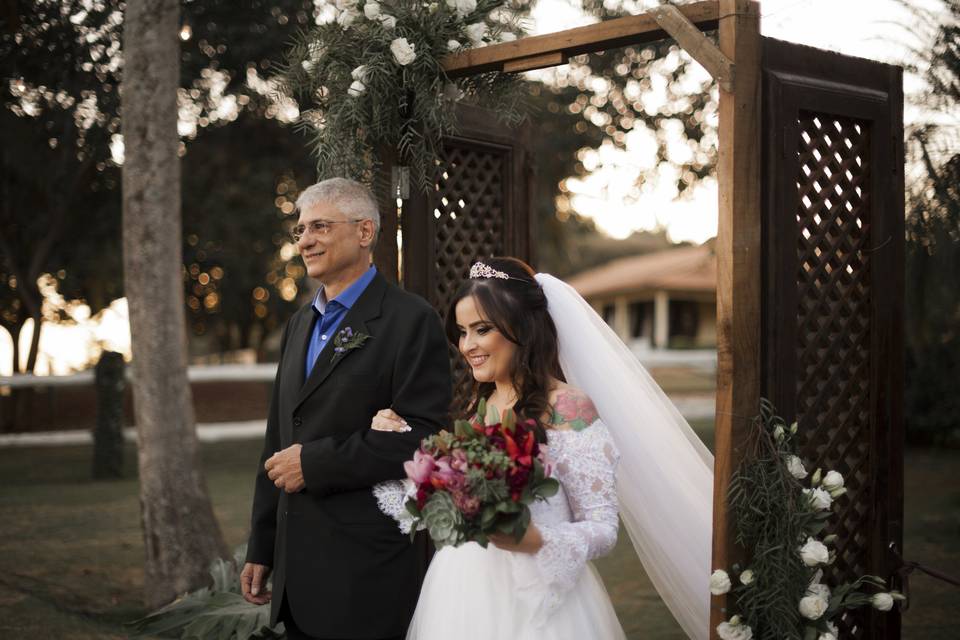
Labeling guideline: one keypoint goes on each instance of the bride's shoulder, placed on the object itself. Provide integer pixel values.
(570, 409)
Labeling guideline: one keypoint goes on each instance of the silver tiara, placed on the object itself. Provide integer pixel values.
(481, 270)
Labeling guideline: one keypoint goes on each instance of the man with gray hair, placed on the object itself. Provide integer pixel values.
(341, 568)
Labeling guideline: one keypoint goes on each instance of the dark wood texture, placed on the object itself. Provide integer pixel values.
(833, 291)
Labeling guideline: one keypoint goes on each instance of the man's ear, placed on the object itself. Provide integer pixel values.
(367, 232)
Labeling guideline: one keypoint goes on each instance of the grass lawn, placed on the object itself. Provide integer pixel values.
(72, 554)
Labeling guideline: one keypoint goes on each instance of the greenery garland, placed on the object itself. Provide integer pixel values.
(780, 595)
(372, 71)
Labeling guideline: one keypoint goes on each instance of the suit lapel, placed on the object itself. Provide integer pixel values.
(366, 308)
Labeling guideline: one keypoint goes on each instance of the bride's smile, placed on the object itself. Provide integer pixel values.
(487, 351)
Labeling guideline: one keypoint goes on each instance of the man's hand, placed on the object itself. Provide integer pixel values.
(284, 469)
(253, 583)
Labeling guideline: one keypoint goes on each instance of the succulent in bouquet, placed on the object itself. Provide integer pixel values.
(479, 479)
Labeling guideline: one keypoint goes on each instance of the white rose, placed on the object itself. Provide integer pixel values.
(463, 7)
(371, 10)
(388, 22)
(719, 582)
(734, 630)
(819, 499)
(347, 18)
(360, 73)
(403, 52)
(882, 601)
(814, 552)
(475, 32)
(453, 45)
(356, 88)
(815, 479)
(832, 629)
(827, 636)
(778, 433)
(508, 36)
(796, 468)
(832, 481)
(746, 577)
(812, 607)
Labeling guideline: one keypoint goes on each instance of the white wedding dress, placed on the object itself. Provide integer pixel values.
(472, 593)
(663, 492)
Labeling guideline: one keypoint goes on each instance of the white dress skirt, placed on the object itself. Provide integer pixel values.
(472, 593)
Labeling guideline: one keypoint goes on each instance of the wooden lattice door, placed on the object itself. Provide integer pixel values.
(479, 206)
(833, 290)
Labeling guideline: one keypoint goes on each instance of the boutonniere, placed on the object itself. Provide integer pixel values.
(347, 340)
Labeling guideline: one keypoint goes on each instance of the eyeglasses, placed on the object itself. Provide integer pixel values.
(317, 227)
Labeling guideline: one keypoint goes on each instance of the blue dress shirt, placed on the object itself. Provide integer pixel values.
(330, 314)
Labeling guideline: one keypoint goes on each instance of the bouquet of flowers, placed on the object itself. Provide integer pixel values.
(478, 480)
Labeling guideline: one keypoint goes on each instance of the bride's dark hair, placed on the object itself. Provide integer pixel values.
(517, 307)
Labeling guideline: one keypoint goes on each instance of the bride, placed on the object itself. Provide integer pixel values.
(614, 442)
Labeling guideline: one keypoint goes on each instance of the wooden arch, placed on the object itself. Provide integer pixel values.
(783, 124)
(736, 66)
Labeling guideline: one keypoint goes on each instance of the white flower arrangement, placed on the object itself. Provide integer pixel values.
(719, 582)
(734, 629)
(781, 524)
(369, 79)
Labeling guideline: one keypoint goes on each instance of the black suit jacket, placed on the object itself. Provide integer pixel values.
(344, 567)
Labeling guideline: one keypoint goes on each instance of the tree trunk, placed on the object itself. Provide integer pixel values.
(180, 532)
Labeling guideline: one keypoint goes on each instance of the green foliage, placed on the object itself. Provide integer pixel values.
(771, 517)
(212, 613)
(774, 517)
(368, 100)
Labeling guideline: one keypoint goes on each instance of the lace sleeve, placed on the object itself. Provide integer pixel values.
(392, 499)
(585, 462)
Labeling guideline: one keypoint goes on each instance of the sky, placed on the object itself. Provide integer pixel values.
(864, 28)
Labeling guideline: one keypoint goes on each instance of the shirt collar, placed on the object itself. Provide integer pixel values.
(348, 297)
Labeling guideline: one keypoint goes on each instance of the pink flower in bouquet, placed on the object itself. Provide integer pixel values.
(420, 468)
(458, 461)
(444, 475)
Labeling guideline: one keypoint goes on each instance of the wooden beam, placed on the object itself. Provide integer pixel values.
(700, 47)
(609, 34)
(738, 268)
(535, 62)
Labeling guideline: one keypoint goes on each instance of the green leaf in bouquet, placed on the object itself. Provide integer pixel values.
(547, 488)
(481, 539)
(493, 416)
(509, 506)
(412, 508)
(488, 517)
(509, 420)
(521, 524)
(482, 412)
(464, 429)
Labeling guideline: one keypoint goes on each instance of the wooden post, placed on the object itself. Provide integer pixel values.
(738, 267)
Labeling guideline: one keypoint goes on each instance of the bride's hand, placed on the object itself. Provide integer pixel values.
(388, 420)
(529, 543)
